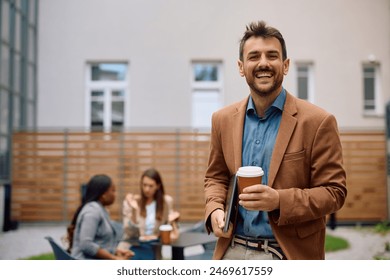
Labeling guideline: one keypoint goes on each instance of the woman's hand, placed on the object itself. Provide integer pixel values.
(148, 237)
(173, 217)
(123, 254)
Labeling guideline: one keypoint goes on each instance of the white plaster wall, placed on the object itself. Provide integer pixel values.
(160, 38)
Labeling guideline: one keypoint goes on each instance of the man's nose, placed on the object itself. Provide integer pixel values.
(263, 61)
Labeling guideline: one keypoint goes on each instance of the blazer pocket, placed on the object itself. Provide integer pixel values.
(294, 156)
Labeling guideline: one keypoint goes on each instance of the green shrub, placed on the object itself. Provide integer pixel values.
(382, 228)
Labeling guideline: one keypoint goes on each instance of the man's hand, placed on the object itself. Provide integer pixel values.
(259, 197)
(218, 222)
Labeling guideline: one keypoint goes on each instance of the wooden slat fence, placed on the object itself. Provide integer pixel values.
(49, 168)
(365, 163)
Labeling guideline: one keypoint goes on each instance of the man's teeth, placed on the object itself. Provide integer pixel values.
(263, 75)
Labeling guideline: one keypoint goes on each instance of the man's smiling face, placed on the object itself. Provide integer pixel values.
(263, 65)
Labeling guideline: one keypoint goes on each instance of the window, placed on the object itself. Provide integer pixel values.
(107, 89)
(305, 81)
(371, 90)
(206, 92)
(18, 80)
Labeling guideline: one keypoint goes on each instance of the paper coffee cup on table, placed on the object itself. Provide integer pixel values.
(165, 234)
(248, 176)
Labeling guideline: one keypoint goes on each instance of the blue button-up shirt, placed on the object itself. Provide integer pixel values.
(258, 143)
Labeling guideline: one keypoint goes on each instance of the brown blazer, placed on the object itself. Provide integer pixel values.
(306, 168)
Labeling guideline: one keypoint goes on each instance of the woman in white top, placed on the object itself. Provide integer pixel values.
(144, 213)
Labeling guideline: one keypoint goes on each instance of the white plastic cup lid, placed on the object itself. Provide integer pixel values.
(166, 228)
(250, 171)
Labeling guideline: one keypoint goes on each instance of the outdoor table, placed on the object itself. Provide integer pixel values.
(188, 239)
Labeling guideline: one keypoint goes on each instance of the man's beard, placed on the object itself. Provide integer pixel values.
(268, 91)
(265, 92)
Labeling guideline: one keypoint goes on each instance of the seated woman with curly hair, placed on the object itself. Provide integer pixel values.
(92, 234)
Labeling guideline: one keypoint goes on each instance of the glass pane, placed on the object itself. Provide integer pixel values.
(18, 4)
(369, 89)
(118, 93)
(205, 72)
(4, 112)
(96, 93)
(30, 82)
(302, 71)
(109, 72)
(30, 47)
(17, 64)
(118, 110)
(368, 71)
(4, 168)
(4, 64)
(30, 115)
(32, 7)
(204, 104)
(97, 114)
(18, 31)
(369, 105)
(5, 21)
(302, 88)
(16, 112)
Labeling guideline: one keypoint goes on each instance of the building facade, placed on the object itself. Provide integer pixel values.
(101, 65)
(171, 63)
(18, 74)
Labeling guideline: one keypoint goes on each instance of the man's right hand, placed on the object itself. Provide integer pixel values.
(218, 222)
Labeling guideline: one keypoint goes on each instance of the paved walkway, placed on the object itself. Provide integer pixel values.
(28, 240)
(365, 243)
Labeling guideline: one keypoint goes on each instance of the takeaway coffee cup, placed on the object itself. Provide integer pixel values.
(248, 176)
(165, 234)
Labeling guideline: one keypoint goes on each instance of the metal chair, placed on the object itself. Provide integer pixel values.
(59, 252)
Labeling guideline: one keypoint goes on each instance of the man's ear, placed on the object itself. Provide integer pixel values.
(286, 66)
(240, 67)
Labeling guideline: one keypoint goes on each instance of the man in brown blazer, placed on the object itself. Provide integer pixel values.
(296, 143)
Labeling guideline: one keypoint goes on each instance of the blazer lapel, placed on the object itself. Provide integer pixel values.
(286, 129)
(238, 130)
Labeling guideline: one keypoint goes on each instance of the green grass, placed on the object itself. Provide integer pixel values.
(333, 243)
(47, 256)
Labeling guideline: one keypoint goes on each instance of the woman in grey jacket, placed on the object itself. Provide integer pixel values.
(92, 234)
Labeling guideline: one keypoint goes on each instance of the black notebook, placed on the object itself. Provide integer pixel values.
(231, 203)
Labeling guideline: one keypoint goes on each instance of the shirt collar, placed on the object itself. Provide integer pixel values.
(277, 104)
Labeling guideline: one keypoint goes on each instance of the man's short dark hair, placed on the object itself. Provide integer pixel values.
(260, 29)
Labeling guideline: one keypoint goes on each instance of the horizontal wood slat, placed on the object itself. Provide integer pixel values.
(50, 167)
(365, 165)
(54, 165)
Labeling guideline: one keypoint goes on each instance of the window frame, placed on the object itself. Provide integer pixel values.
(377, 102)
(107, 87)
(310, 80)
(200, 87)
